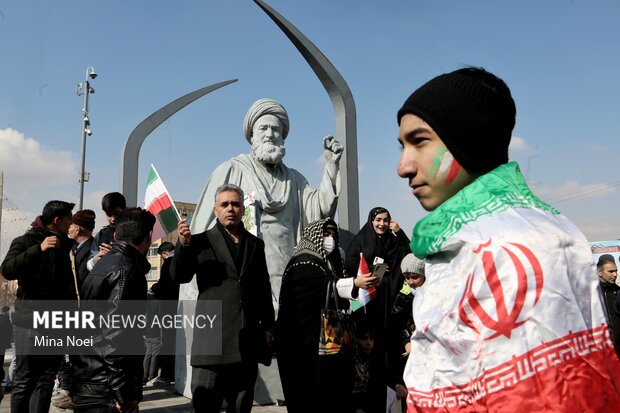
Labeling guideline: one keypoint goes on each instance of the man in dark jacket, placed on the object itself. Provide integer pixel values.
(113, 204)
(230, 266)
(167, 291)
(81, 230)
(40, 261)
(607, 274)
(112, 375)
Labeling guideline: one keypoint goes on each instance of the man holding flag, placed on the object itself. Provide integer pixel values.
(510, 317)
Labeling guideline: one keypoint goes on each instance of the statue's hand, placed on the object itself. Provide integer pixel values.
(332, 149)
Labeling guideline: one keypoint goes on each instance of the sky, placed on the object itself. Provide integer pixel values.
(560, 58)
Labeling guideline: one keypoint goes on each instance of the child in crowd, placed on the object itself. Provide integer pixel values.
(412, 269)
(413, 272)
(365, 344)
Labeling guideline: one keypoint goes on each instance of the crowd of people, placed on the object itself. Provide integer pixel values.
(492, 282)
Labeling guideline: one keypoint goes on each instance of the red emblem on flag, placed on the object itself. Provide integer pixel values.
(497, 284)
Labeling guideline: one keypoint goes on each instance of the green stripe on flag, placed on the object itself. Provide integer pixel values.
(152, 176)
(168, 219)
(494, 192)
(356, 305)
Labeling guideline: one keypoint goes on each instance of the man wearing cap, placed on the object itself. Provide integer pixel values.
(283, 202)
(81, 230)
(607, 274)
(510, 316)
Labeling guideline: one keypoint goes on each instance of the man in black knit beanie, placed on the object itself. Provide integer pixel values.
(511, 286)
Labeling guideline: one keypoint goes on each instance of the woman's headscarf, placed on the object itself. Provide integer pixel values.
(312, 237)
(374, 245)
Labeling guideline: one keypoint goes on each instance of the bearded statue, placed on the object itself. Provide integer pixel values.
(279, 201)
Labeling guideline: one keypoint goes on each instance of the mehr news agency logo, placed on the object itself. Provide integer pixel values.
(62, 328)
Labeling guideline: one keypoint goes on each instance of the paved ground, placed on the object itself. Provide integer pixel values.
(156, 400)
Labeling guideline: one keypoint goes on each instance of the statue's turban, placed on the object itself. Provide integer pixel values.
(261, 108)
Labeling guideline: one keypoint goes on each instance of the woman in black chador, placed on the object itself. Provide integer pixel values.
(312, 383)
(380, 240)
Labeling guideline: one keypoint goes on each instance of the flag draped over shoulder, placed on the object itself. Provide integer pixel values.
(510, 317)
(364, 295)
(158, 202)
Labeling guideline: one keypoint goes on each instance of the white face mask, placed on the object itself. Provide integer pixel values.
(329, 244)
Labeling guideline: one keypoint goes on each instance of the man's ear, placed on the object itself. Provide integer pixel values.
(56, 220)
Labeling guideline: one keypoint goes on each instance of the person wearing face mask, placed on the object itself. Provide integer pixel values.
(306, 377)
(381, 240)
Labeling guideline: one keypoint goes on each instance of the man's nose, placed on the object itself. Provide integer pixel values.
(406, 167)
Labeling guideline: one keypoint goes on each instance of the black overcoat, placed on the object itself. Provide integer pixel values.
(245, 293)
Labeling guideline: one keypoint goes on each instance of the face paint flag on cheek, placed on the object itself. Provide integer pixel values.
(445, 167)
(451, 167)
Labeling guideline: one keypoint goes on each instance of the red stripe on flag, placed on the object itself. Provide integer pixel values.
(454, 170)
(363, 267)
(159, 204)
(370, 292)
(578, 372)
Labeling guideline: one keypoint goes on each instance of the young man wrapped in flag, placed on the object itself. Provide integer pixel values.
(510, 317)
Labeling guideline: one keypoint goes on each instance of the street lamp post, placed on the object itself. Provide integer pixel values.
(85, 89)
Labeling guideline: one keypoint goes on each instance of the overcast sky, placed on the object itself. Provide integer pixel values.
(560, 59)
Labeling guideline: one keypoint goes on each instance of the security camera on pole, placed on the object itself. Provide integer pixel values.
(85, 89)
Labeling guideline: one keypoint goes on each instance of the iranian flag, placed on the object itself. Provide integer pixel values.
(364, 296)
(158, 202)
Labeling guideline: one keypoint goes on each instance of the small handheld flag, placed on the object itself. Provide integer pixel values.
(158, 202)
(364, 295)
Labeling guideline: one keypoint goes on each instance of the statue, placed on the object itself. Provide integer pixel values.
(278, 198)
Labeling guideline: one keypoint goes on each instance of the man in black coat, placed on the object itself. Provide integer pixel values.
(40, 261)
(81, 230)
(113, 204)
(607, 274)
(111, 376)
(230, 266)
(167, 291)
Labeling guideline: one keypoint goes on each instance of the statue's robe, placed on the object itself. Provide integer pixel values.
(284, 205)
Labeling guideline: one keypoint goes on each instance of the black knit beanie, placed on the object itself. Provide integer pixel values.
(473, 113)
